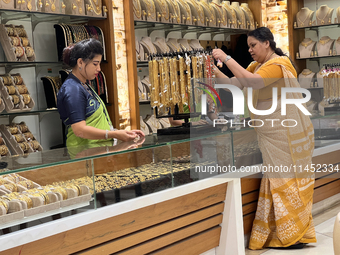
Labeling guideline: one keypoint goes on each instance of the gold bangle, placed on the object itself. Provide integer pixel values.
(17, 80)
(10, 89)
(19, 138)
(26, 98)
(24, 41)
(3, 150)
(29, 51)
(13, 130)
(19, 51)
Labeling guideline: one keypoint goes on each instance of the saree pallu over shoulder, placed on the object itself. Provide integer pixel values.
(283, 215)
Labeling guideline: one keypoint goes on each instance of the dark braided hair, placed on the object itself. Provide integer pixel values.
(86, 49)
(264, 34)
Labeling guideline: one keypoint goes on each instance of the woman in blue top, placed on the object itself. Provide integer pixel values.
(79, 106)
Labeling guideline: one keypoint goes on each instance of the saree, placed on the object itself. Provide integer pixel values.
(283, 216)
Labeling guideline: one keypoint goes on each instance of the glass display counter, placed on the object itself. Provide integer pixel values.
(51, 186)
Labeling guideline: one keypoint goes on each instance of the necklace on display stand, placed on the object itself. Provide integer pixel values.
(306, 44)
(322, 20)
(137, 8)
(323, 42)
(306, 72)
(302, 22)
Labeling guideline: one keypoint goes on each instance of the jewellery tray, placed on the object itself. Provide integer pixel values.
(13, 145)
(9, 6)
(9, 105)
(7, 45)
(40, 148)
(31, 104)
(73, 6)
(16, 211)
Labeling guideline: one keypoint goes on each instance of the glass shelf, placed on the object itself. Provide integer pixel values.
(34, 112)
(318, 58)
(36, 16)
(19, 64)
(169, 27)
(316, 27)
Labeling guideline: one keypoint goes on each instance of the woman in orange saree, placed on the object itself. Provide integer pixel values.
(283, 217)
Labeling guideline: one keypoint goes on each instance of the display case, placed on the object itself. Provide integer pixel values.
(66, 184)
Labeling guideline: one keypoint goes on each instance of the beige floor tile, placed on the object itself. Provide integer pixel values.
(324, 246)
(257, 252)
(326, 215)
(326, 228)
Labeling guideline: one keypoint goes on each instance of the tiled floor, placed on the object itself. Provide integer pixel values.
(324, 223)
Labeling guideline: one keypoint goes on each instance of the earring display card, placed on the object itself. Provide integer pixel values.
(7, 4)
(74, 7)
(28, 5)
(50, 6)
(93, 8)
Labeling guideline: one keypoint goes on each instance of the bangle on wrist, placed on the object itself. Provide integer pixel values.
(107, 134)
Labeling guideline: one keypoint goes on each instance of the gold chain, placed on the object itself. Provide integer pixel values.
(8, 1)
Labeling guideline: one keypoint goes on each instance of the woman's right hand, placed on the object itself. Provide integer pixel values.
(124, 135)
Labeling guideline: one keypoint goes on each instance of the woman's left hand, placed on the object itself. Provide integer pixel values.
(219, 54)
